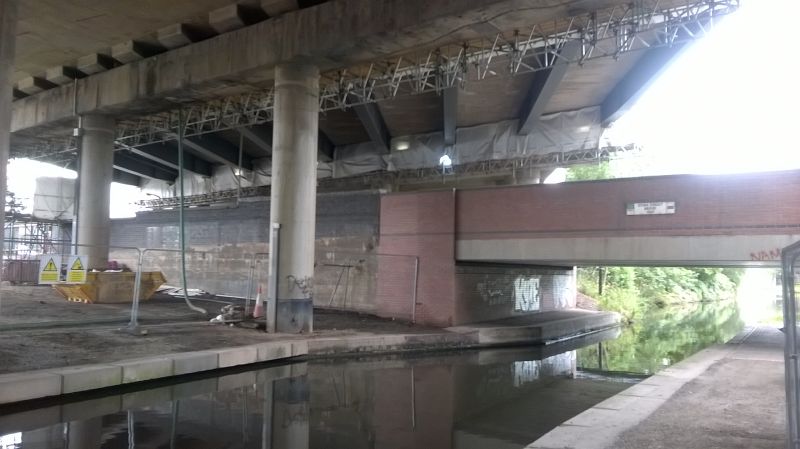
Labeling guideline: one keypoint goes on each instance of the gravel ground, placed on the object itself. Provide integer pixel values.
(55, 332)
(737, 403)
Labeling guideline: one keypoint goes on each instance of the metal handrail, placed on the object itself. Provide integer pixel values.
(789, 256)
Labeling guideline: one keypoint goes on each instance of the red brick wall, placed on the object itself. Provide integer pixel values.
(418, 224)
(763, 203)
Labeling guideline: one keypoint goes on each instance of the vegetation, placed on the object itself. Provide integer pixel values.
(590, 172)
(634, 291)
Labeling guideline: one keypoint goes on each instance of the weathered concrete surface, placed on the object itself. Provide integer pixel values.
(8, 27)
(733, 250)
(94, 192)
(294, 195)
(333, 35)
(726, 396)
(540, 327)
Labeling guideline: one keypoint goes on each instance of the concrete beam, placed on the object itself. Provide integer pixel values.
(144, 168)
(371, 118)
(62, 75)
(450, 108)
(177, 35)
(95, 63)
(218, 151)
(275, 8)
(8, 33)
(234, 16)
(679, 250)
(335, 35)
(545, 84)
(630, 88)
(122, 177)
(260, 135)
(18, 94)
(130, 51)
(166, 154)
(227, 18)
(33, 85)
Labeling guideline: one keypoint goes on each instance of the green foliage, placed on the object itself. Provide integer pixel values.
(590, 172)
(633, 291)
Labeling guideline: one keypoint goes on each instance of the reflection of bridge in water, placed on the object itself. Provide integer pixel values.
(505, 398)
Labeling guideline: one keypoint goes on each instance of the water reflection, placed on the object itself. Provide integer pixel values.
(664, 337)
(498, 398)
(467, 400)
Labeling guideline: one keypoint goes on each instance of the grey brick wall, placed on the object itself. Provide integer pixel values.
(346, 222)
(493, 291)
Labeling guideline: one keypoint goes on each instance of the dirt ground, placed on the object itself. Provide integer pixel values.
(737, 403)
(39, 329)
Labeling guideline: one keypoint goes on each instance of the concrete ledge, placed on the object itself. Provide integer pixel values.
(89, 377)
(275, 351)
(242, 355)
(145, 369)
(193, 362)
(17, 387)
(375, 344)
(502, 333)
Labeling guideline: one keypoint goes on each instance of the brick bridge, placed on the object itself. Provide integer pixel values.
(739, 220)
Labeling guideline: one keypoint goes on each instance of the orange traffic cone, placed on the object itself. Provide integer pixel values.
(259, 309)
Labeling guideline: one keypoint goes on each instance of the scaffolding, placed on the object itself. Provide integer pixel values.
(605, 33)
(382, 179)
(27, 237)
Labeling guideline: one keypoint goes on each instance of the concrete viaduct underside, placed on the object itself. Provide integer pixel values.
(283, 90)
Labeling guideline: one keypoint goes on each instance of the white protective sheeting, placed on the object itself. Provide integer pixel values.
(352, 160)
(559, 132)
(54, 198)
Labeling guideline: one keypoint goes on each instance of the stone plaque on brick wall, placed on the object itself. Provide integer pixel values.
(652, 208)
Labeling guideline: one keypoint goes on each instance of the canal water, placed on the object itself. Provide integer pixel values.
(504, 398)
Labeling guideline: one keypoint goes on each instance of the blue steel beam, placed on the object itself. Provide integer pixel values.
(141, 167)
(126, 178)
(166, 154)
(450, 108)
(218, 151)
(260, 135)
(371, 118)
(545, 84)
(637, 81)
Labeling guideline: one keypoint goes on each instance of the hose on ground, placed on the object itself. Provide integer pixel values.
(181, 226)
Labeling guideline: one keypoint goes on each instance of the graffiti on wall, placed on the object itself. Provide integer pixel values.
(527, 296)
(491, 291)
(763, 255)
(304, 285)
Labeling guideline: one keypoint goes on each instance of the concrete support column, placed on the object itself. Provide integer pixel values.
(94, 189)
(294, 192)
(8, 27)
(290, 419)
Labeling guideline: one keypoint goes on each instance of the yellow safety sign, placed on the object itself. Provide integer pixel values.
(50, 269)
(76, 273)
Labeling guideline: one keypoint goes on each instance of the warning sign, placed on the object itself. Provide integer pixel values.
(50, 269)
(76, 270)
